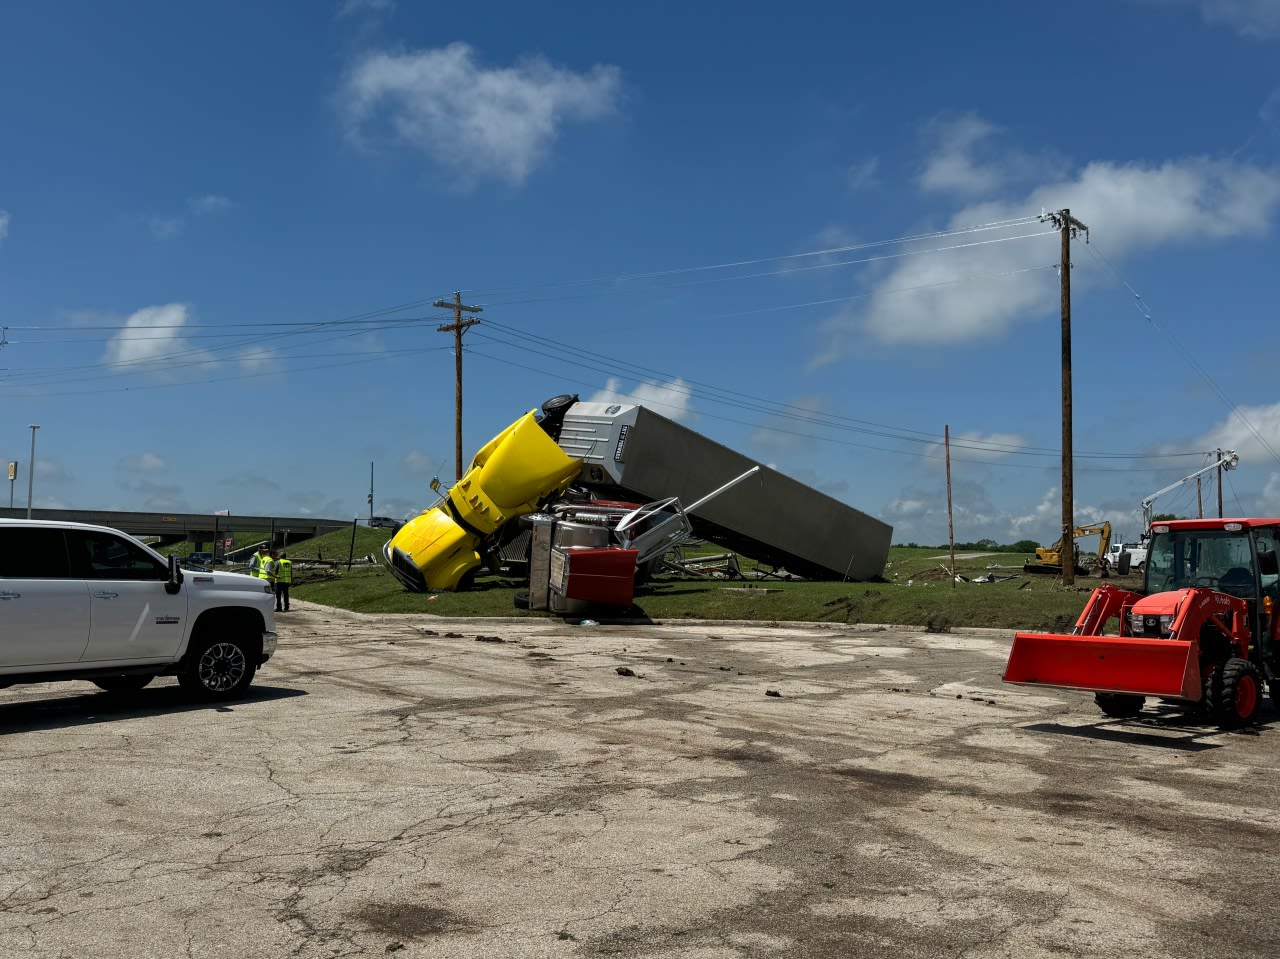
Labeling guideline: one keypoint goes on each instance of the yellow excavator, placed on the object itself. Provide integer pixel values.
(1049, 558)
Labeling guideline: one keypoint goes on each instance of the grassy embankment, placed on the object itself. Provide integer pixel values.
(916, 590)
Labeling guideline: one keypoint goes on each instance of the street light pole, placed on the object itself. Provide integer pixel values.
(31, 468)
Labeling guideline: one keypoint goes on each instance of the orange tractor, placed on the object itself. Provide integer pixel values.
(1204, 629)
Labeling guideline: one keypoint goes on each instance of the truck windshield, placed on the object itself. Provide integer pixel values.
(1200, 557)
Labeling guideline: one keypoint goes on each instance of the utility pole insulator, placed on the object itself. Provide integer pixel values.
(457, 328)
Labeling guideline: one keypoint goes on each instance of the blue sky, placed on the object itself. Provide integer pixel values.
(810, 231)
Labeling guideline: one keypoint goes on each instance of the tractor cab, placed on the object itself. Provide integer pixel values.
(1237, 557)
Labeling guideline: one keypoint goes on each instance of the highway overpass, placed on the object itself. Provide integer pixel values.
(201, 529)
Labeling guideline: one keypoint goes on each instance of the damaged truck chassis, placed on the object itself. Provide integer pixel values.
(592, 481)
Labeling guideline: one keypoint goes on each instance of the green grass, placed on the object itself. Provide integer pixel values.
(916, 590)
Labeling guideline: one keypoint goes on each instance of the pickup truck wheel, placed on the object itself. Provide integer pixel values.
(218, 669)
(122, 684)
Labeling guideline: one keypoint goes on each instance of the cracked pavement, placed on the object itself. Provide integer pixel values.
(422, 787)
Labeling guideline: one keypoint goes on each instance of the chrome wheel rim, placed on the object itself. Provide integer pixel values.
(222, 666)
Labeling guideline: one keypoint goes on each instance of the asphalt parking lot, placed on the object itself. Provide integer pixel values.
(412, 786)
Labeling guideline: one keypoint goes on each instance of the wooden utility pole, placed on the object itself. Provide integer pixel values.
(457, 327)
(1069, 226)
(951, 529)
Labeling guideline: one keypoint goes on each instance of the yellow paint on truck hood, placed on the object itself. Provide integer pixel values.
(509, 477)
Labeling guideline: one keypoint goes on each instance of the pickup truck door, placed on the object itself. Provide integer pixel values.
(44, 613)
(132, 615)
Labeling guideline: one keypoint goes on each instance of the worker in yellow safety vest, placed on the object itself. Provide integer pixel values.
(256, 560)
(284, 577)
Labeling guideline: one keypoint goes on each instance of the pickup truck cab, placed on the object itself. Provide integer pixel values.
(1137, 556)
(93, 603)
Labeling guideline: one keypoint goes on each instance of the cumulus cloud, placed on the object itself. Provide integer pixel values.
(1046, 518)
(973, 446)
(863, 175)
(168, 227)
(352, 7)
(418, 463)
(788, 433)
(671, 399)
(953, 165)
(152, 341)
(473, 121)
(4, 224)
(257, 359)
(157, 497)
(1129, 208)
(1250, 18)
(165, 227)
(208, 203)
(142, 463)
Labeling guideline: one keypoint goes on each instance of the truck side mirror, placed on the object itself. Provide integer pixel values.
(175, 576)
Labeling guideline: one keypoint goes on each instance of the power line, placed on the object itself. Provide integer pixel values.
(1190, 359)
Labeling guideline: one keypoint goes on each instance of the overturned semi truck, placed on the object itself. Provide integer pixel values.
(572, 451)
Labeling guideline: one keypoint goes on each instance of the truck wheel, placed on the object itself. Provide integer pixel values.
(122, 684)
(217, 669)
(1119, 705)
(1233, 693)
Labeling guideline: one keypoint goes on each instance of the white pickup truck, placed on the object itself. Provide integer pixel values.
(1137, 556)
(90, 602)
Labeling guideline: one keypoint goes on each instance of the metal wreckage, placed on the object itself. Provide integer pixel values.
(589, 498)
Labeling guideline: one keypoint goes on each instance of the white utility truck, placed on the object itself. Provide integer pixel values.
(93, 603)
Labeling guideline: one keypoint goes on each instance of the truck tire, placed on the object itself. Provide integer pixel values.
(217, 668)
(123, 684)
(1119, 705)
(1233, 693)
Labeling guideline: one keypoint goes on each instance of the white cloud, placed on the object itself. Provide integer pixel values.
(953, 166)
(473, 121)
(1252, 431)
(418, 463)
(787, 433)
(978, 292)
(1250, 18)
(208, 203)
(159, 497)
(152, 342)
(169, 227)
(257, 359)
(165, 227)
(142, 463)
(4, 224)
(1269, 112)
(352, 7)
(671, 399)
(975, 447)
(863, 174)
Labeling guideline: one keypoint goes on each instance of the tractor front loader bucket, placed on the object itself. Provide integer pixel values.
(1108, 664)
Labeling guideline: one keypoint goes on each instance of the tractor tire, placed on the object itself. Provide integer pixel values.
(1119, 705)
(1274, 685)
(1233, 693)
